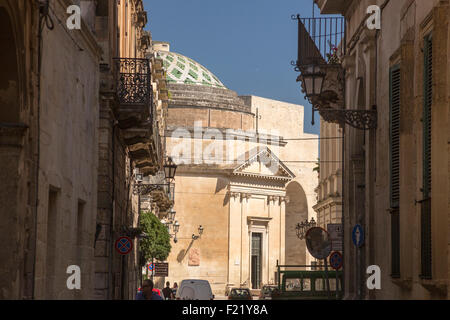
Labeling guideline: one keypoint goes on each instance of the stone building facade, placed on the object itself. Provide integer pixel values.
(232, 179)
(397, 174)
(329, 191)
(69, 147)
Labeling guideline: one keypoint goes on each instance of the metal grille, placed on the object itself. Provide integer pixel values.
(320, 40)
(395, 136)
(133, 83)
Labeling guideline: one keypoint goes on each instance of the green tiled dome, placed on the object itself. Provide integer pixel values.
(181, 69)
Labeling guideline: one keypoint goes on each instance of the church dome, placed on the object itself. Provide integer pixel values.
(183, 70)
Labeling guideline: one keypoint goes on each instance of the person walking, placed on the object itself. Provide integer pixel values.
(147, 292)
(175, 288)
(168, 294)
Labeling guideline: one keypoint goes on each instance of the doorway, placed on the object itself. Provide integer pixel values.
(256, 260)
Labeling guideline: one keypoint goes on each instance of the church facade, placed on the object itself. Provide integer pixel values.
(245, 175)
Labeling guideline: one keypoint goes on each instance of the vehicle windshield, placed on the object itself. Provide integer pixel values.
(240, 292)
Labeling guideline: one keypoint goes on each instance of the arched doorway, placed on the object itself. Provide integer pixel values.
(296, 211)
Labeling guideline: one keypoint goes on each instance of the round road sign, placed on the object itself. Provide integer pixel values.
(124, 245)
(336, 260)
(318, 243)
(150, 267)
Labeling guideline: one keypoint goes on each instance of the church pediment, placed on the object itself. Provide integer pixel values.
(261, 162)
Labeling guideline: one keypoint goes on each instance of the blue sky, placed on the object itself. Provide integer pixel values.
(247, 44)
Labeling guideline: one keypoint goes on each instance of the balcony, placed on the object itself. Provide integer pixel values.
(136, 112)
(321, 51)
(321, 43)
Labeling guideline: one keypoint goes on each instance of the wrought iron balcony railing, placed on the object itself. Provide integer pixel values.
(133, 81)
(320, 40)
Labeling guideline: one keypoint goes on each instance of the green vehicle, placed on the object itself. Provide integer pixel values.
(307, 285)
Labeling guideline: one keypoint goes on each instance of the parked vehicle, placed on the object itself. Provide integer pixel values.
(193, 289)
(266, 292)
(303, 285)
(240, 294)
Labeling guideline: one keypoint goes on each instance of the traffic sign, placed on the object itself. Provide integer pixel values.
(318, 243)
(124, 245)
(336, 260)
(161, 269)
(335, 231)
(358, 235)
(150, 267)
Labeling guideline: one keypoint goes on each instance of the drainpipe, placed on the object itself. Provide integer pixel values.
(43, 17)
(111, 221)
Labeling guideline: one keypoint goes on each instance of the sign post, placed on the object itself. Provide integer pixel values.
(336, 263)
(336, 235)
(358, 241)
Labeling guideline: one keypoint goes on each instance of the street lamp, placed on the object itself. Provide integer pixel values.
(169, 174)
(302, 228)
(313, 79)
(200, 231)
(169, 170)
(172, 214)
(176, 227)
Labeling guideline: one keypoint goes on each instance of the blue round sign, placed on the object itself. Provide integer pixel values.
(150, 267)
(358, 235)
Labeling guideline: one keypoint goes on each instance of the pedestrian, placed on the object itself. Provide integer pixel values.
(175, 288)
(168, 294)
(147, 292)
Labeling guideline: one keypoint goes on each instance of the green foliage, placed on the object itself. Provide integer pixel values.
(317, 167)
(157, 244)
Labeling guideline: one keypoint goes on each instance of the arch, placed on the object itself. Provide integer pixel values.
(9, 72)
(295, 212)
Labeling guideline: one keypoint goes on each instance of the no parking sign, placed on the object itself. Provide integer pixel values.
(124, 245)
(336, 260)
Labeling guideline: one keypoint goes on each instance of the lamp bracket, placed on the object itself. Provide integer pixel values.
(359, 119)
(146, 188)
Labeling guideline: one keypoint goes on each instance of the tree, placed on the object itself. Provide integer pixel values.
(157, 243)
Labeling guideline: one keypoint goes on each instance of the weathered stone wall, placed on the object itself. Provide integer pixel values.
(68, 161)
(400, 41)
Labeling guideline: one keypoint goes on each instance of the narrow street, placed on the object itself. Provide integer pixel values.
(170, 149)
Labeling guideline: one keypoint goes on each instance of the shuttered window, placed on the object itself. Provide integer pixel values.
(426, 160)
(394, 164)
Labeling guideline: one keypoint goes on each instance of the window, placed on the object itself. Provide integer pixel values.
(394, 165)
(321, 284)
(426, 159)
(52, 215)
